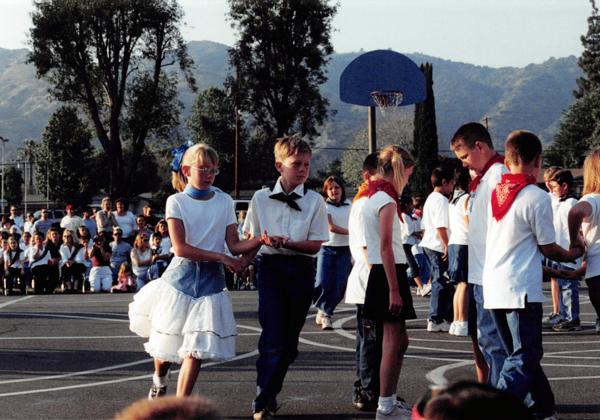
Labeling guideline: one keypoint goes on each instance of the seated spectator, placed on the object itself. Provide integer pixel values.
(28, 224)
(141, 259)
(125, 280)
(16, 217)
(100, 274)
(71, 221)
(13, 267)
(150, 219)
(141, 226)
(194, 408)
(38, 262)
(163, 228)
(160, 258)
(105, 220)
(71, 271)
(90, 222)
(121, 251)
(125, 220)
(44, 223)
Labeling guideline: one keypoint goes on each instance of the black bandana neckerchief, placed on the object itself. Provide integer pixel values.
(289, 199)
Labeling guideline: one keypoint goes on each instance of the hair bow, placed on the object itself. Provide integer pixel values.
(177, 153)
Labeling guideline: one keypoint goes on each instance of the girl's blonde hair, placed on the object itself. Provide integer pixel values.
(591, 173)
(196, 154)
(394, 159)
(125, 268)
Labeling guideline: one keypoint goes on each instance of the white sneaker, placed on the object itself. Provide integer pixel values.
(319, 318)
(461, 328)
(396, 414)
(551, 320)
(326, 323)
(426, 290)
(438, 326)
(598, 326)
(451, 330)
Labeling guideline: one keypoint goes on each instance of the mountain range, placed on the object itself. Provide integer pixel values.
(532, 97)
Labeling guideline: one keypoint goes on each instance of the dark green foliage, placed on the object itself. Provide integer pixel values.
(64, 158)
(280, 59)
(425, 139)
(213, 122)
(13, 184)
(109, 58)
(578, 133)
(590, 57)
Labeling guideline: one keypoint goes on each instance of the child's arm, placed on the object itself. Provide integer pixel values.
(386, 220)
(237, 246)
(306, 247)
(335, 228)
(577, 213)
(557, 253)
(442, 232)
(184, 250)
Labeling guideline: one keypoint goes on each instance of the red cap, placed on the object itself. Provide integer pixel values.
(69, 207)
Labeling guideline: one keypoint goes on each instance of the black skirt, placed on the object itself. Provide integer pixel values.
(377, 296)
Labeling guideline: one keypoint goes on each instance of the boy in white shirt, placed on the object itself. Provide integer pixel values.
(519, 228)
(296, 219)
(435, 244)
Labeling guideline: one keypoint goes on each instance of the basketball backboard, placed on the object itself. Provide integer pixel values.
(382, 71)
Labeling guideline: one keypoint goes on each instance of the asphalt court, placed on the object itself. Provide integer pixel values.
(73, 357)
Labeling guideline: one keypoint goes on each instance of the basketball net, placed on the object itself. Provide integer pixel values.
(387, 99)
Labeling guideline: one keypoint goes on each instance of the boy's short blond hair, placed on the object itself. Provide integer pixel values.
(171, 407)
(290, 145)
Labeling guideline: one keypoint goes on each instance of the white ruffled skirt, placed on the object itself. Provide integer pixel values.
(179, 325)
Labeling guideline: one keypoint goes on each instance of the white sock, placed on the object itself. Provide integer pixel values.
(159, 380)
(385, 405)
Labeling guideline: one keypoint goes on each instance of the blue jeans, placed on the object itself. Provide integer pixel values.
(424, 269)
(442, 292)
(369, 338)
(333, 267)
(522, 374)
(488, 336)
(284, 297)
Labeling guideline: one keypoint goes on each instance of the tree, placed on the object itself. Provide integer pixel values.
(590, 57)
(213, 122)
(109, 58)
(13, 183)
(577, 133)
(280, 60)
(64, 158)
(425, 139)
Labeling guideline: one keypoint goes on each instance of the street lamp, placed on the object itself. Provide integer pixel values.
(4, 141)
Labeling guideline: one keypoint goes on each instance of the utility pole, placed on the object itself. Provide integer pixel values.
(4, 141)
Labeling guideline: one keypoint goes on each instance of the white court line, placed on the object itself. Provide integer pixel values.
(4, 305)
(47, 315)
(437, 376)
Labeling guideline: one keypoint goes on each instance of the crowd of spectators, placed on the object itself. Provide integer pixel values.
(87, 250)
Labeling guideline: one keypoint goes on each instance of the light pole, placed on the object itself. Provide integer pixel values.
(22, 158)
(4, 141)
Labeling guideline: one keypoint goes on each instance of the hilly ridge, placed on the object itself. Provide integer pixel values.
(531, 97)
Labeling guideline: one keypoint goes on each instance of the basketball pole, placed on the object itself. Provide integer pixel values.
(372, 130)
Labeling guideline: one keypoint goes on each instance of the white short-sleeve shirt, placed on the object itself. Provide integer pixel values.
(126, 222)
(513, 262)
(457, 221)
(205, 221)
(359, 275)
(591, 233)
(478, 215)
(339, 216)
(561, 226)
(279, 219)
(370, 219)
(435, 215)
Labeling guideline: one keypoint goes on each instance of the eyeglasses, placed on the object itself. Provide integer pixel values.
(206, 171)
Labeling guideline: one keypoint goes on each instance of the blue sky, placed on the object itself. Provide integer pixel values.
(484, 32)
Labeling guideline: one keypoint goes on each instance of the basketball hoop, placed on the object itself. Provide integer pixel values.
(387, 99)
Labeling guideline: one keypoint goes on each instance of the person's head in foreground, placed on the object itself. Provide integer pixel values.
(171, 408)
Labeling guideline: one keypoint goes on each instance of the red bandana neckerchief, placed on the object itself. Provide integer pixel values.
(475, 181)
(363, 191)
(506, 191)
(388, 188)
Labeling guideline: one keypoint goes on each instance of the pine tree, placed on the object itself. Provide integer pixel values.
(425, 138)
(590, 57)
